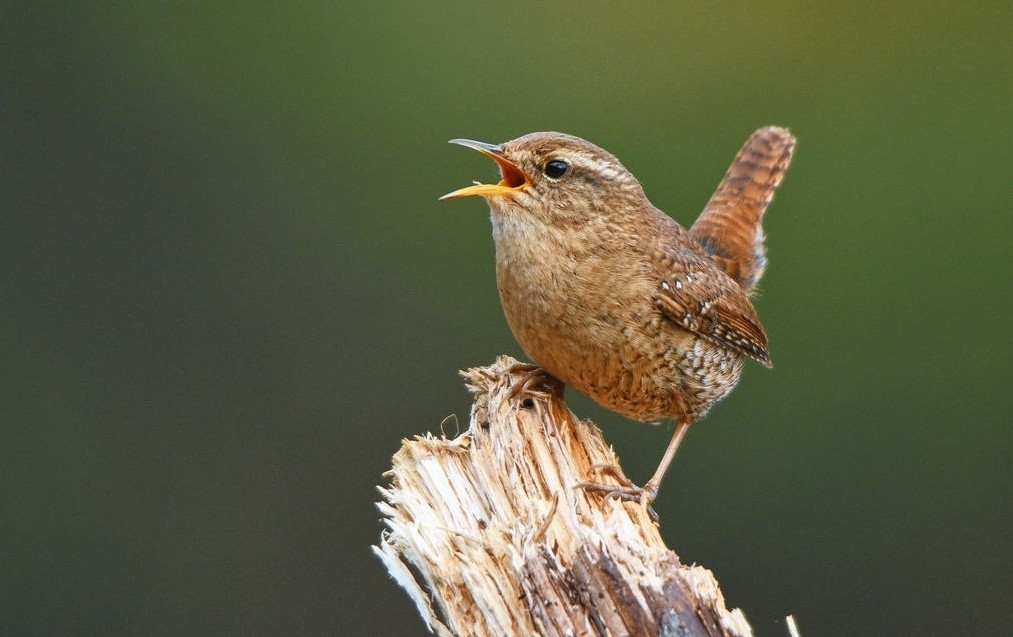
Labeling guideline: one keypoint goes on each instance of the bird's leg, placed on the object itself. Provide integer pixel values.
(628, 491)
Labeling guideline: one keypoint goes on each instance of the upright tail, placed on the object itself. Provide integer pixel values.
(730, 227)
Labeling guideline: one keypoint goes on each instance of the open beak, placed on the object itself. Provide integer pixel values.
(511, 177)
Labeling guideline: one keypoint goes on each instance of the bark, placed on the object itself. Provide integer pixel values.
(489, 536)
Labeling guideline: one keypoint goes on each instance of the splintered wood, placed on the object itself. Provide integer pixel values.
(489, 536)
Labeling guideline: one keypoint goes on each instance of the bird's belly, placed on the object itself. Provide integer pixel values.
(629, 359)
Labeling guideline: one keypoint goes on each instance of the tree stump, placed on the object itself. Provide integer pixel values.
(489, 536)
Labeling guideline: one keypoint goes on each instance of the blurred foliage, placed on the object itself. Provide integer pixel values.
(229, 291)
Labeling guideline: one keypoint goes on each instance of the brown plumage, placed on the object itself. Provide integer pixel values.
(608, 294)
(729, 228)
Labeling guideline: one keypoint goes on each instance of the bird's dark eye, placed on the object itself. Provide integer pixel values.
(556, 168)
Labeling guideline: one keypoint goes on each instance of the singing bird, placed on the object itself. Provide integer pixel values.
(608, 294)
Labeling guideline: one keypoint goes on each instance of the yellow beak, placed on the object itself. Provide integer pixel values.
(511, 177)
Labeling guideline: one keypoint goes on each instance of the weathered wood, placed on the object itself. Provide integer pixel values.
(488, 528)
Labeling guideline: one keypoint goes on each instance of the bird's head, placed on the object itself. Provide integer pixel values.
(556, 177)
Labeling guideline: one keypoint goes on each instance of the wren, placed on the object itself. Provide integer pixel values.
(608, 294)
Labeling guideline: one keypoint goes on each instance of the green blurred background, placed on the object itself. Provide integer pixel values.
(229, 292)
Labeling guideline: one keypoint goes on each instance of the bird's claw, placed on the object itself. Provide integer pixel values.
(533, 379)
(624, 492)
(613, 471)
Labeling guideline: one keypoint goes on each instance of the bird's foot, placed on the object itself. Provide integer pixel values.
(534, 379)
(625, 491)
